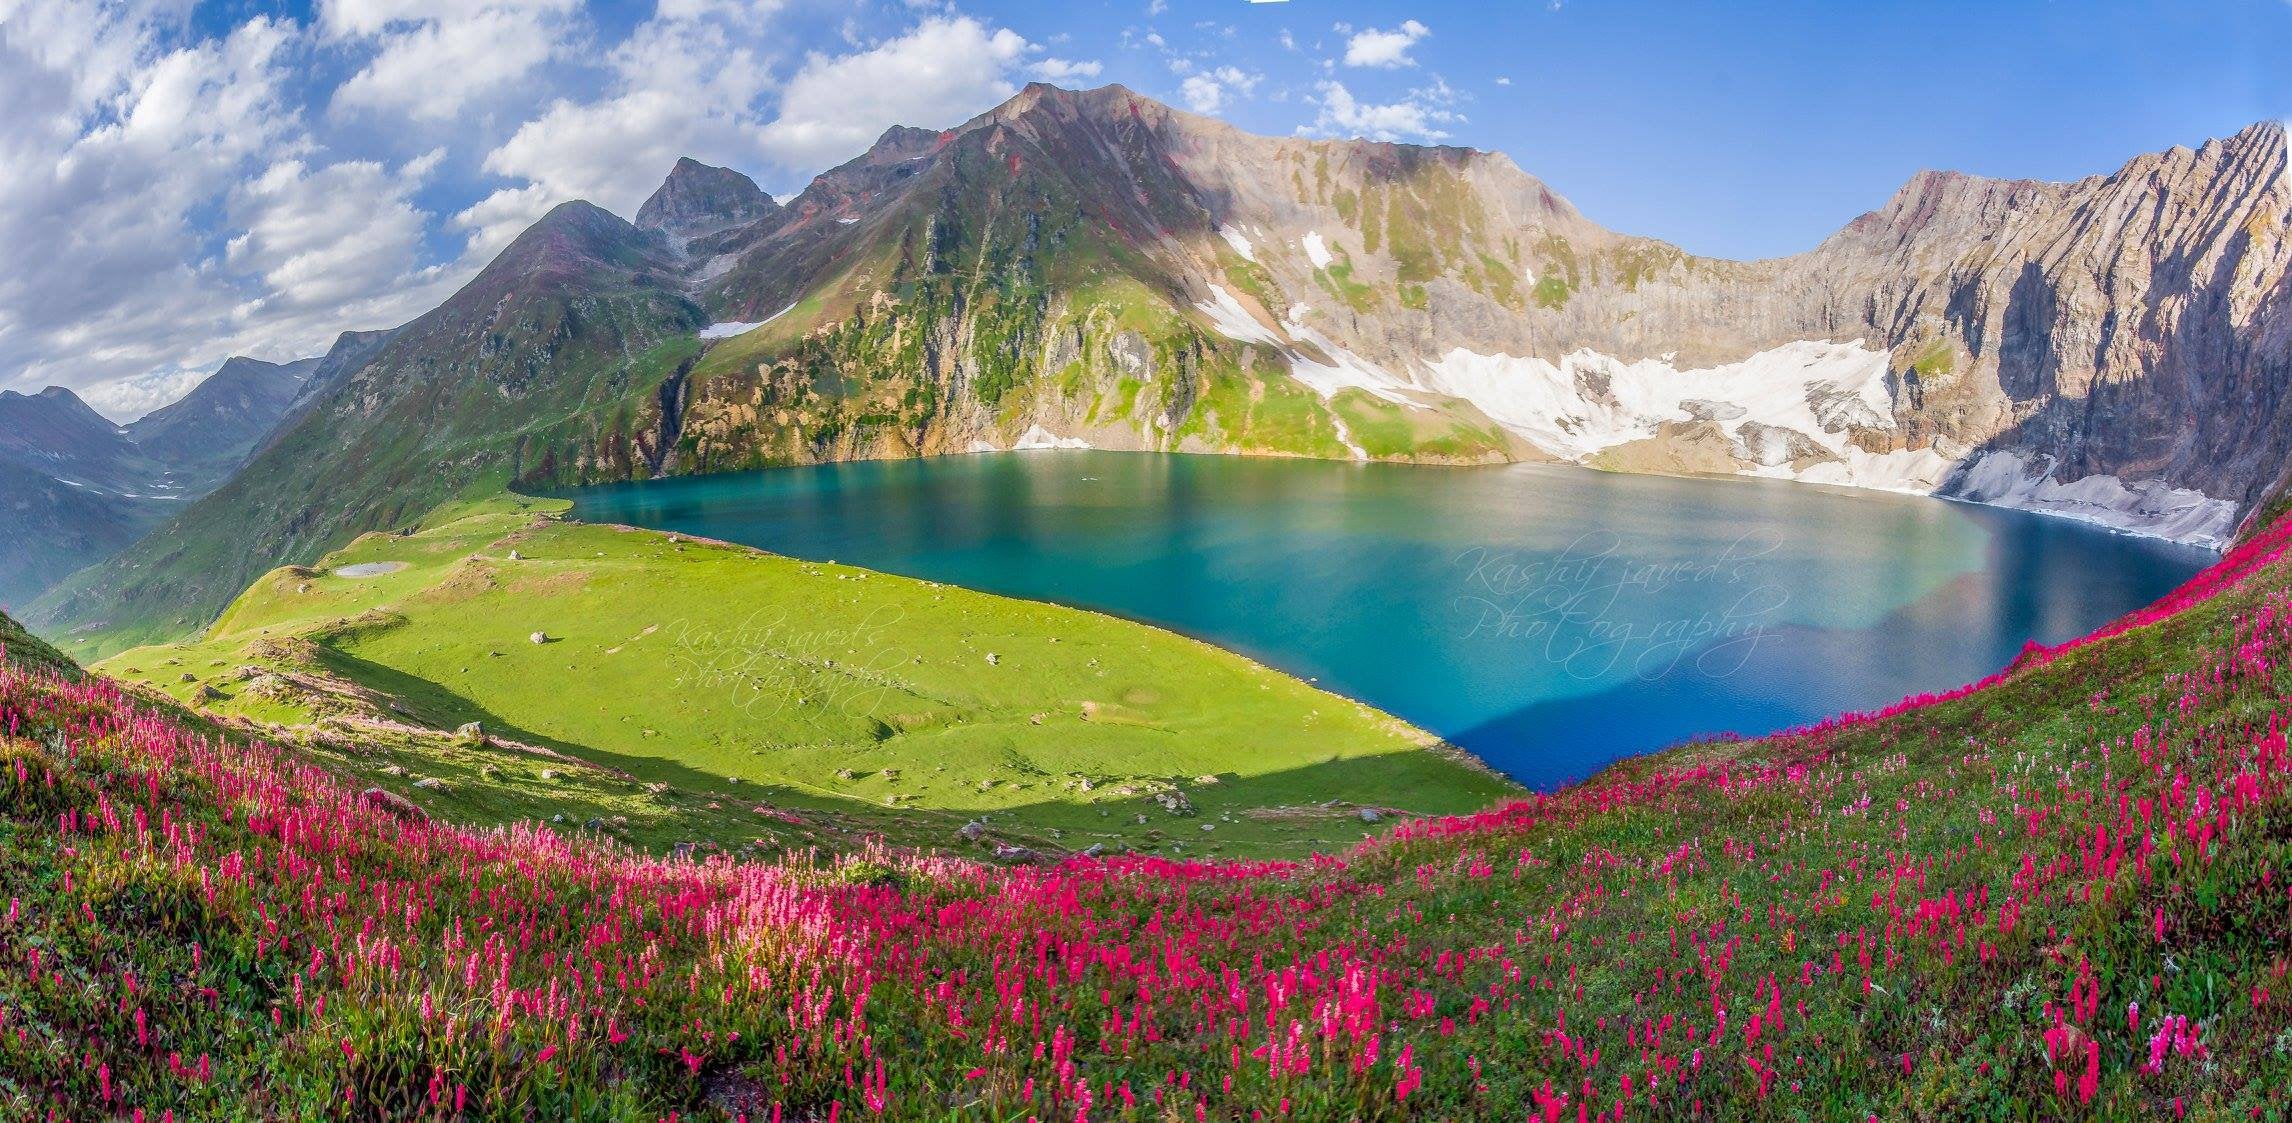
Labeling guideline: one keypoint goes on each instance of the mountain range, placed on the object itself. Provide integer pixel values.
(1097, 268)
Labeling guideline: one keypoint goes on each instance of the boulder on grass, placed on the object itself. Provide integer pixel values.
(391, 802)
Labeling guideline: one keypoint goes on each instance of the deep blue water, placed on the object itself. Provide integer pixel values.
(1549, 619)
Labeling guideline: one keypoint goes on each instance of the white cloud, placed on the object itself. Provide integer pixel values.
(434, 57)
(164, 205)
(1208, 91)
(324, 237)
(1419, 116)
(1202, 93)
(685, 83)
(1060, 70)
(1385, 49)
(126, 399)
(943, 72)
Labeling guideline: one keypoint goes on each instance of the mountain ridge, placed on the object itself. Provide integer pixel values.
(1095, 267)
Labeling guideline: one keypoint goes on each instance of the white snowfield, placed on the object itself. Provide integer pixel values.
(1038, 437)
(1317, 250)
(2148, 508)
(1790, 412)
(729, 328)
(1239, 241)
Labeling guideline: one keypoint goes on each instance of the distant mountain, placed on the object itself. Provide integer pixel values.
(698, 200)
(1098, 267)
(78, 488)
(56, 433)
(212, 428)
(543, 368)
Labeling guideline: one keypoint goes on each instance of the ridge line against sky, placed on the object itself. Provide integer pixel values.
(182, 180)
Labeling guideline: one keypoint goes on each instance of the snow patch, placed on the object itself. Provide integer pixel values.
(1317, 250)
(2150, 508)
(1037, 437)
(1228, 318)
(1589, 402)
(730, 328)
(1327, 367)
(1239, 241)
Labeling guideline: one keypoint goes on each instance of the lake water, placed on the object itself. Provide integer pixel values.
(1549, 619)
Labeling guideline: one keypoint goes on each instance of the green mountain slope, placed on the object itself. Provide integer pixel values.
(533, 371)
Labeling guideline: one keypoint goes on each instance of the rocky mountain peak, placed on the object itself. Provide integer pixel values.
(698, 199)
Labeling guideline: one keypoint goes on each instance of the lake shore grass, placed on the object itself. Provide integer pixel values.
(712, 692)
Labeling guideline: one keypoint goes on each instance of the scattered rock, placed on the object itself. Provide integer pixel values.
(993, 659)
(1372, 815)
(1094, 850)
(393, 770)
(595, 824)
(557, 818)
(548, 774)
(1205, 779)
(972, 831)
(656, 788)
(844, 774)
(189, 677)
(210, 694)
(515, 556)
(472, 732)
(392, 803)
(430, 784)
(1014, 854)
(539, 637)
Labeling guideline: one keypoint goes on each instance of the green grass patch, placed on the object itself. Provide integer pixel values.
(821, 688)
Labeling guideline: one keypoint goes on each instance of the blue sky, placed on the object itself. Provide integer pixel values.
(185, 179)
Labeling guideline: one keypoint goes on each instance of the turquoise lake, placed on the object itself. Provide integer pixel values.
(1549, 619)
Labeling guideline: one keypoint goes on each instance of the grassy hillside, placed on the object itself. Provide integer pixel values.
(2062, 894)
(736, 677)
(532, 371)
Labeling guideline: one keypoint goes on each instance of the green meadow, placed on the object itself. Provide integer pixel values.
(685, 690)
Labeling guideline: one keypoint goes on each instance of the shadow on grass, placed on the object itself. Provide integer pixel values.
(1420, 783)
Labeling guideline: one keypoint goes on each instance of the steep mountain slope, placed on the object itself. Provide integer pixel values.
(73, 490)
(209, 431)
(56, 433)
(1098, 268)
(78, 489)
(1143, 278)
(698, 200)
(530, 373)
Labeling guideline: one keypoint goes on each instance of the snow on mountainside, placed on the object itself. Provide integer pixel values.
(1095, 267)
(2107, 349)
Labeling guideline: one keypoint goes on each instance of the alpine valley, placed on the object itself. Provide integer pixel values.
(1095, 268)
(345, 775)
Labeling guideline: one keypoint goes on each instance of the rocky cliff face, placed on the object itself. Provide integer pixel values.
(698, 200)
(1144, 278)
